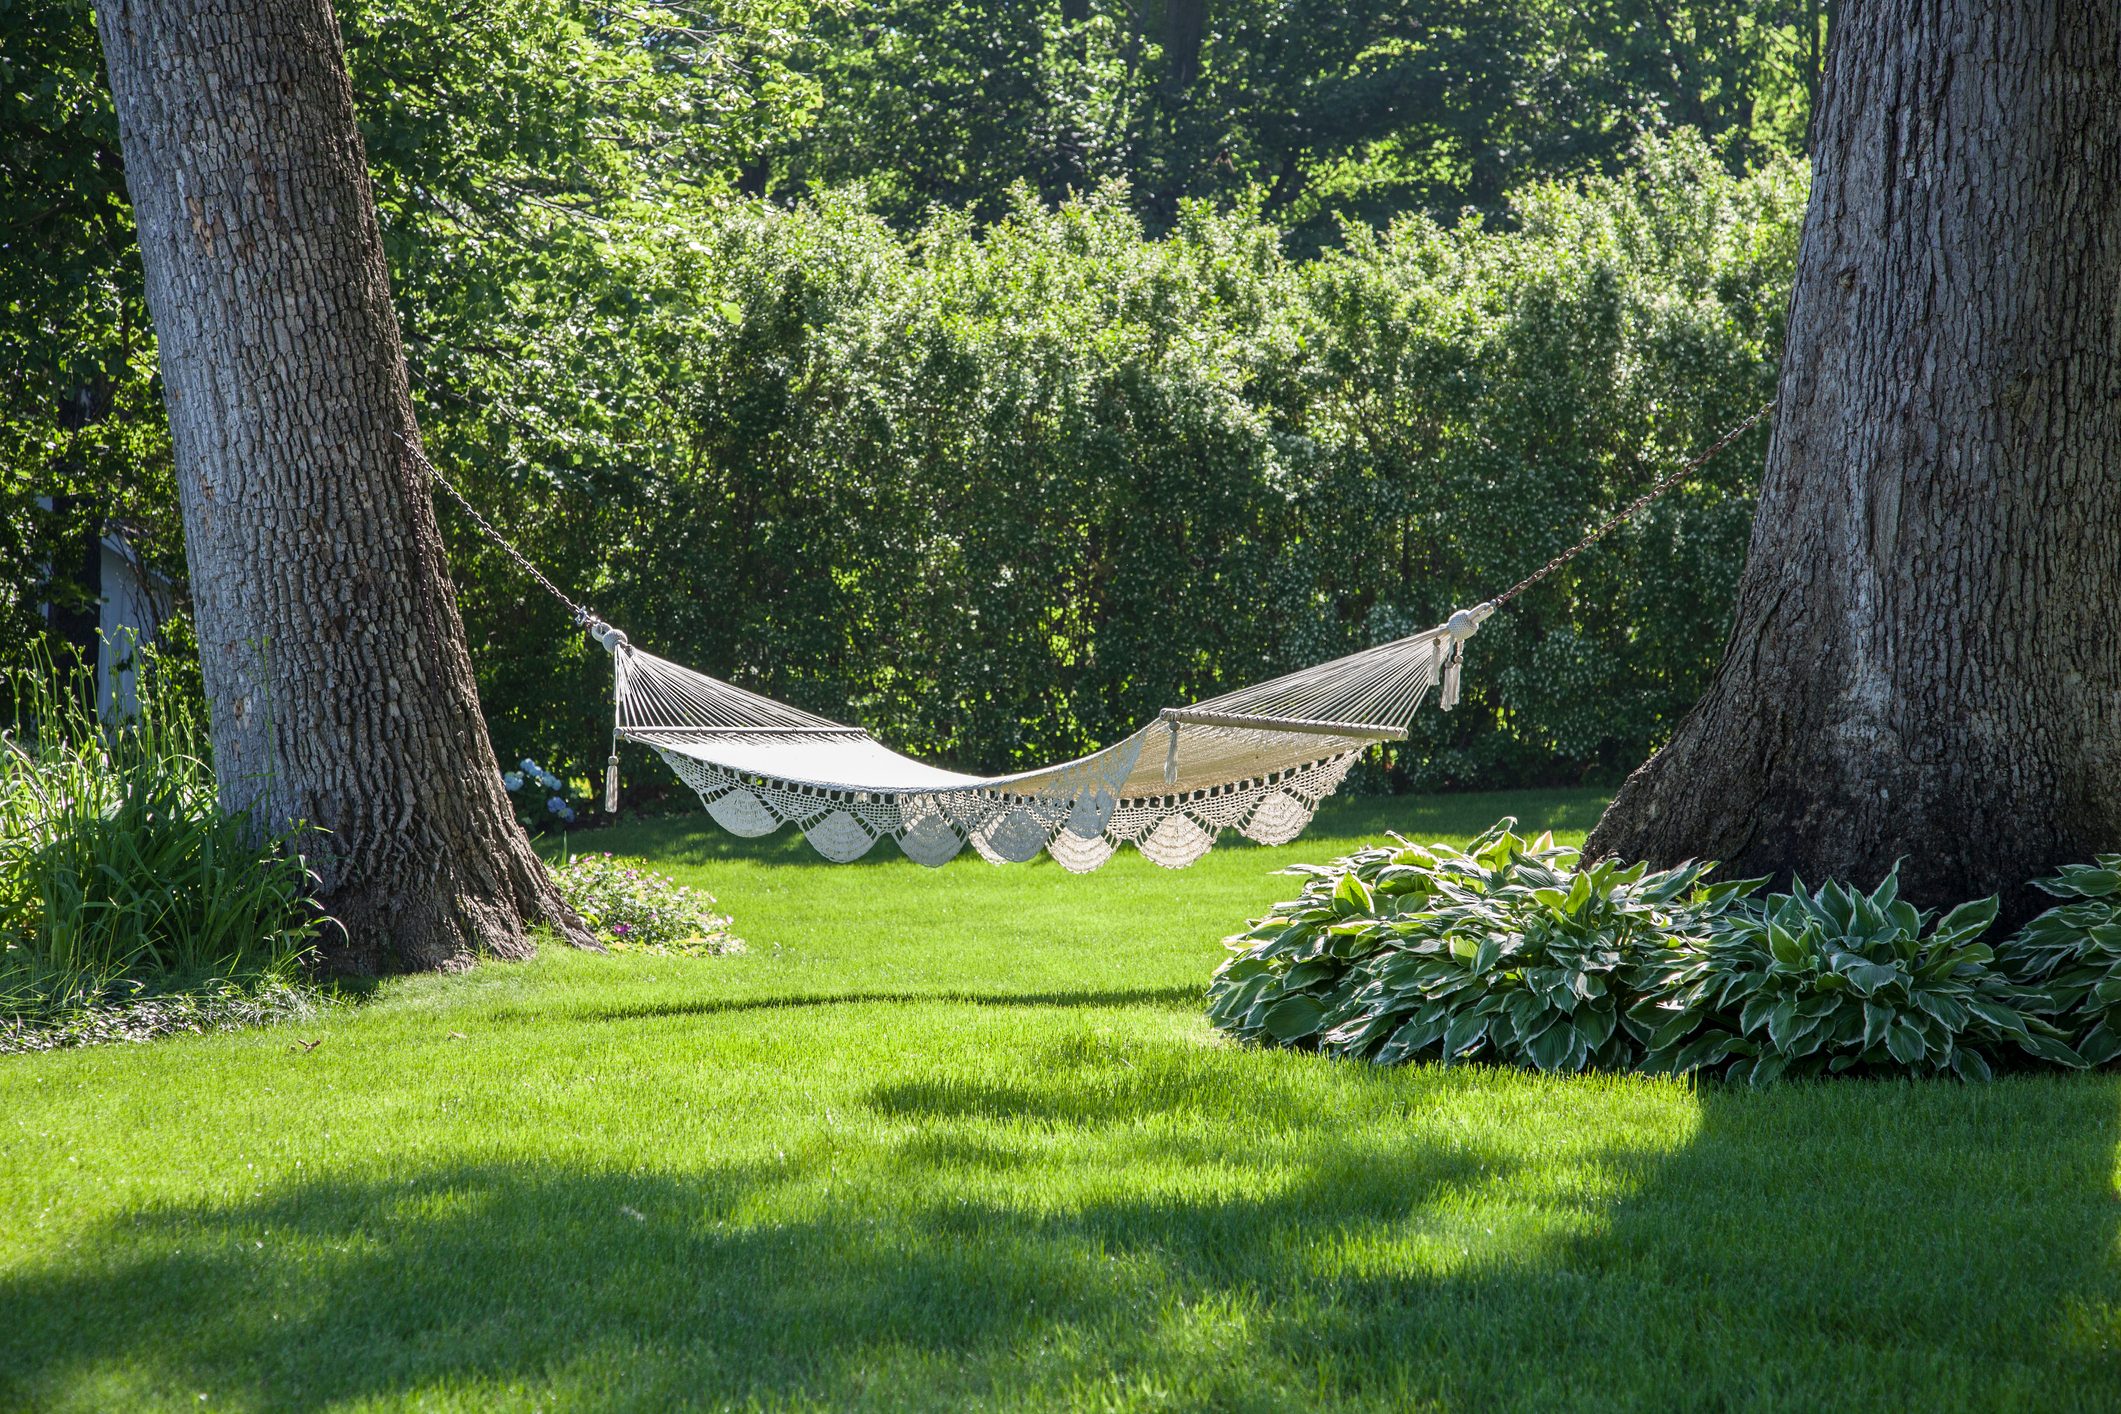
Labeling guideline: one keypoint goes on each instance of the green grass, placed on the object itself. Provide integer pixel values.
(962, 1137)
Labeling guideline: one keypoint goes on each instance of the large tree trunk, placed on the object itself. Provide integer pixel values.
(335, 662)
(1924, 661)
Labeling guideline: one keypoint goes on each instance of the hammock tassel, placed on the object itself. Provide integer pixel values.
(613, 642)
(1463, 625)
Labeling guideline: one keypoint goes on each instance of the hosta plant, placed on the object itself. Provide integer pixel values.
(1835, 980)
(2073, 953)
(1507, 950)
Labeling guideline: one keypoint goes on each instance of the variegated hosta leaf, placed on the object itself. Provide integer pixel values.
(2072, 953)
(1835, 981)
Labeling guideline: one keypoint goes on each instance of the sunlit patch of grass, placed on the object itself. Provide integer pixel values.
(963, 1138)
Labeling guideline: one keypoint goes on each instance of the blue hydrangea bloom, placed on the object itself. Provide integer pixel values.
(513, 780)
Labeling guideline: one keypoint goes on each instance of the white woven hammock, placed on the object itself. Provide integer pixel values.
(1258, 760)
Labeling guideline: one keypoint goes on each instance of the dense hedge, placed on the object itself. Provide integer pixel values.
(999, 493)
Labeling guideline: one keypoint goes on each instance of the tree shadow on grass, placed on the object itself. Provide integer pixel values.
(1861, 1246)
(1182, 996)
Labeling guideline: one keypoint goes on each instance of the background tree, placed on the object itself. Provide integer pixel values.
(83, 444)
(334, 660)
(1924, 662)
(1312, 110)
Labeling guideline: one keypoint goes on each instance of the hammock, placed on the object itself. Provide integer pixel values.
(1259, 760)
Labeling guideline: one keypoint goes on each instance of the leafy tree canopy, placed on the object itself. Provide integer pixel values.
(993, 373)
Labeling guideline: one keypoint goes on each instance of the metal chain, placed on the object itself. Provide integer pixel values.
(1658, 488)
(581, 614)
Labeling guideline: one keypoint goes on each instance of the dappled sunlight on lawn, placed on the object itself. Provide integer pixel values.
(939, 1140)
(1123, 1200)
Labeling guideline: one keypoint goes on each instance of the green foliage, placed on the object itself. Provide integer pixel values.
(83, 438)
(1506, 951)
(117, 863)
(516, 146)
(132, 1011)
(1000, 494)
(2073, 952)
(1837, 981)
(1513, 952)
(1307, 112)
(632, 908)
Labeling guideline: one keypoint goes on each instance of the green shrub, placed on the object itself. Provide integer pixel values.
(1834, 981)
(117, 863)
(1507, 951)
(2073, 953)
(1512, 951)
(635, 909)
(1002, 492)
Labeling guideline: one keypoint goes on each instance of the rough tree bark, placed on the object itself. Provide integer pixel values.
(335, 663)
(1924, 660)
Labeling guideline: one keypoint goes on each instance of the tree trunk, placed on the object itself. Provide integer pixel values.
(1924, 661)
(334, 658)
(75, 599)
(1185, 26)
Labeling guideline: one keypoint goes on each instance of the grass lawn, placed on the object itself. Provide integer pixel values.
(962, 1137)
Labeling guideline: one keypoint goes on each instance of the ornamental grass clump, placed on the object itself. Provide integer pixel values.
(634, 909)
(121, 876)
(1836, 981)
(2072, 953)
(1508, 951)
